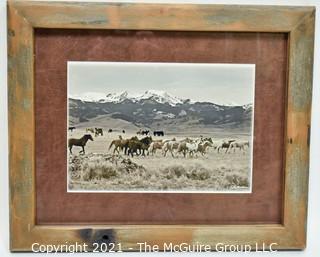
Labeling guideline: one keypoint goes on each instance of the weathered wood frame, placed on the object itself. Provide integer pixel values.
(25, 16)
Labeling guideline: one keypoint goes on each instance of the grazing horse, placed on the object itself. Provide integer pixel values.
(91, 130)
(141, 145)
(225, 144)
(71, 128)
(79, 142)
(238, 144)
(158, 133)
(98, 131)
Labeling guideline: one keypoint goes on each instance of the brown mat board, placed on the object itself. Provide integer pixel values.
(54, 47)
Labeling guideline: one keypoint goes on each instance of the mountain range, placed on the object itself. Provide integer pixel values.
(157, 109)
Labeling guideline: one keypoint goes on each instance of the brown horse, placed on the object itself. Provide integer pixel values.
(182, 147)
(141, 145)
(79, 142)
(202, 148)
(156, 144)
(120, 144)
(225, 145)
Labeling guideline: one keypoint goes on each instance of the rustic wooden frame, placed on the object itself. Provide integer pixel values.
(25, 16)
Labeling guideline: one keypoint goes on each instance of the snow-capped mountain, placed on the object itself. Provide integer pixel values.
(155, 107)
(116, 97)
(156, 95)
(160, 97)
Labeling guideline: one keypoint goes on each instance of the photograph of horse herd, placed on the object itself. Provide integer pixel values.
(160, 127)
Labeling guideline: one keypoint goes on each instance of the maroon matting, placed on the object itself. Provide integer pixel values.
(54, 47)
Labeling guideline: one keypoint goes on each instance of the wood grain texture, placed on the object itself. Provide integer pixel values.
(21, 127)
(298, 128)
(160, 16)
(23, 16)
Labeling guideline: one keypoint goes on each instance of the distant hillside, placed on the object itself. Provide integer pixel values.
(156, 109)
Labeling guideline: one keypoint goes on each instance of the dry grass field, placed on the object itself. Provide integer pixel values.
(99, 169)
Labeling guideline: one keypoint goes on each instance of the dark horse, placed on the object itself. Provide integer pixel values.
(158, 133)
(141, 145)
(225, 145)
(111, 130)
(79, 142)
(98, 131)
(145, 132)
(71, 128)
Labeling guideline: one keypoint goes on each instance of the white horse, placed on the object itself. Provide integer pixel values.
(238, 144)
(216, 143)
(192, 148)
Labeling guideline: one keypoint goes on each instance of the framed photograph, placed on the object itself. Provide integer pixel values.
(191, 124)
(160, 126)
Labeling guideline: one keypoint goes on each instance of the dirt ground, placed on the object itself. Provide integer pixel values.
(99, 169)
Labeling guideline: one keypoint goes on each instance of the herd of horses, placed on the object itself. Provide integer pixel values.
(149, 146)
(99, 131)
(186, 147)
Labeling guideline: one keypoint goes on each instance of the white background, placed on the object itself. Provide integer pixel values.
(313, 244)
